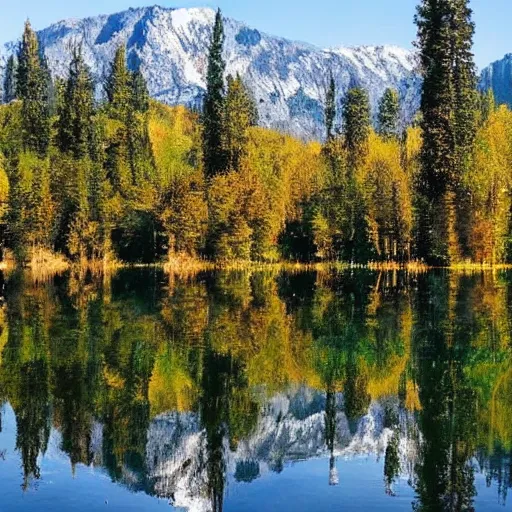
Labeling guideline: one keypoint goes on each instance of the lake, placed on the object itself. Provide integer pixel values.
(257, 391)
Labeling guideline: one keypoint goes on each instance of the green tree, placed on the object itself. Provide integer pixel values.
(118, 86)
(10, 80)
(389, 111)
(32, 89)
(213, 110)
(448, 105)
(240, 114)
(74, 127)
(140, 94)
(356, 125)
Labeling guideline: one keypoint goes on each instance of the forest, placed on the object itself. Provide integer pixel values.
(98, 173)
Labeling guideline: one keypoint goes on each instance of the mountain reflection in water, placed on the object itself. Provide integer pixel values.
(183, 387)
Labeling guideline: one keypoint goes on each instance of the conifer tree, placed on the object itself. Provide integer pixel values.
(139, 144)
(239, 116)
(389, 110)
(213, 109)
(10, 80)
(465, 115)
(118, 85)
(140, 94)
(445, 32)
(330, 108)
(32, 89)
(356, 125)
(76, 110)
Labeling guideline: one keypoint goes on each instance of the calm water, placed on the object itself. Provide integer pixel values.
(257, 392)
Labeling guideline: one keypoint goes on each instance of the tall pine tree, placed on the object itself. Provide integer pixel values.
(118, 86)
(240, 114)
(356, 126)
(389, 111)
(32, 89)
(74, 127)
(213, 109)
(465, 116)
(140, 94)
(445, 32)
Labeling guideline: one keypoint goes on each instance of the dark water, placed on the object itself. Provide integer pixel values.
(257, 392)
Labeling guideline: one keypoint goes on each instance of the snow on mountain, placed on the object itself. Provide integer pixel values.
(288, 79)
(498, 77)
(290, 428)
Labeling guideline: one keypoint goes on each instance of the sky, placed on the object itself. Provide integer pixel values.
(324, 23)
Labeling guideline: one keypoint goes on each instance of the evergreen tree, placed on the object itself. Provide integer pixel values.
(32, 89)
(239, 116)
(139, 145)
(118, 86)
(213, 109)
(389, 111)
(140, 94)
(356, 125)
(330, 108)
(10, 80)
(445, 34)
(74, 127)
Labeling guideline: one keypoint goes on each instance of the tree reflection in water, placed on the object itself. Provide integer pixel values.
(173, 384)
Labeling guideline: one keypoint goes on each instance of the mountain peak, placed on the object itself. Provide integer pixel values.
(288, 79)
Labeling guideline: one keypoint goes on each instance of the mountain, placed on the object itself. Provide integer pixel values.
(498, 77)
(288, 79)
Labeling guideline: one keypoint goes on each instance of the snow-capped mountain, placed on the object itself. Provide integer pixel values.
(288, 78)
(498, 77)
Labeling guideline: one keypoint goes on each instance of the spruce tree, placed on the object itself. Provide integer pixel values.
(118, 86)
(239, 116)
(330, 108)
(140, 94)
(74, 127)
(465, 116)
(448, 103)
(32, 89)
(356, 125)
(10, 80)
(213, 109)
(389, 111)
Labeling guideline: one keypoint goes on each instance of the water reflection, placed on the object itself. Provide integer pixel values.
(175, 387)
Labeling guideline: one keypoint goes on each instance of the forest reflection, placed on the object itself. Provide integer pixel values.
(169, 384)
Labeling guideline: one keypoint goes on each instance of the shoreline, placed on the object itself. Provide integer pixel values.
(42, 269)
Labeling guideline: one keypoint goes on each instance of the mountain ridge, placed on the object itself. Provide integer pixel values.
(288, 78)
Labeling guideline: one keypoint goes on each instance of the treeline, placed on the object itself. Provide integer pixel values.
(129, 179)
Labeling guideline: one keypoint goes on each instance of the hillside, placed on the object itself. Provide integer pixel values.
(288, 79)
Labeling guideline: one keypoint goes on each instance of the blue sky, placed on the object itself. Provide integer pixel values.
(320, 22)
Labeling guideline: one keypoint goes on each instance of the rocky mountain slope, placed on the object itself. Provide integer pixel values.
(288, 78)
(498, 76)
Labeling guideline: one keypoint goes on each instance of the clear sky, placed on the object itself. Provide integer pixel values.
(321, 22)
